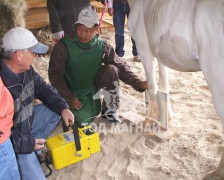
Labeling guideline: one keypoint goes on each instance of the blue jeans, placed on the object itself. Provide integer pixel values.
(120, 11)
(8, 165)
(44, 123)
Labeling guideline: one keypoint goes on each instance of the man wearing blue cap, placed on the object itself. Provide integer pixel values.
(32, 124)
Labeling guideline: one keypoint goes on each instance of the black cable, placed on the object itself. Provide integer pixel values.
(48, 162)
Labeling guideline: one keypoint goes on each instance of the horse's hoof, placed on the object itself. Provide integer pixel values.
(212, 176)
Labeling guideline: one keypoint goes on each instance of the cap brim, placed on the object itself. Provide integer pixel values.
(86, 23)
(39, 48)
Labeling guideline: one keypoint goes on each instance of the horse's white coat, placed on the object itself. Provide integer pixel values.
(185, 35)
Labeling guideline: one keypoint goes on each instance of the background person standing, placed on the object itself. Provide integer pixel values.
(63, 14)
(119, 11)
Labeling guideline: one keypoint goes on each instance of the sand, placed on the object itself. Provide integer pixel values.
(127, 154)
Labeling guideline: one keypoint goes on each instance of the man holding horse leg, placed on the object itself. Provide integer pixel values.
(77, 72)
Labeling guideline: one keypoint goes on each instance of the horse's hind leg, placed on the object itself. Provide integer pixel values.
(212, 65)
(213, 68)
(214, 79)
(217, 174)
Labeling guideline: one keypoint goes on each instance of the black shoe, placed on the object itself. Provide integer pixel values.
(111, 117)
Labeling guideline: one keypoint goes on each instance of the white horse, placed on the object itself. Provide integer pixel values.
(185, 35)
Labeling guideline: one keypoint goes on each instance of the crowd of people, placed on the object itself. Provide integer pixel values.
(81, 64)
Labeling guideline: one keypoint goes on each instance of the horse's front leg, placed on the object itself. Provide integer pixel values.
(151, 93)
(164, 85)
(137, 30)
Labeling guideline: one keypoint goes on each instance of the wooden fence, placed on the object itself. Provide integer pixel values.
(37, 15)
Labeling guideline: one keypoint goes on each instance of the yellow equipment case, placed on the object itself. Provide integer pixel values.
(73, 146)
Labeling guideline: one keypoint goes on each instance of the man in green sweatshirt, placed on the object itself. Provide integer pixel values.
(82, 64)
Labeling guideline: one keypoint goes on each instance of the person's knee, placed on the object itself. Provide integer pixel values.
(111, 67)
(109, 73)
(112, 71)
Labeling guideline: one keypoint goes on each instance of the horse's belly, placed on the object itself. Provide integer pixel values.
(169, 26)
(177, 53)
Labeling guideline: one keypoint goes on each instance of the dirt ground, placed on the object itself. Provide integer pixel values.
(194, 150)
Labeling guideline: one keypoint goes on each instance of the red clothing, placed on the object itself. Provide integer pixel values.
(6, 112)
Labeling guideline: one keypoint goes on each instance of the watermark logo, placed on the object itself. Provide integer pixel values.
(118, 102)
(110, 98)
(140, 128)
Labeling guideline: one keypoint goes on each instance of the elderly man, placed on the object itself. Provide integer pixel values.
(76, 70)
(32, 123)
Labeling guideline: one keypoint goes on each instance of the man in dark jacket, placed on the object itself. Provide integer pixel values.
(63, 15)
(32, 124)
(76, 70)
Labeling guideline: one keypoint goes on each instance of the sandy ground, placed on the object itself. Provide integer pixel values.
(129, 155)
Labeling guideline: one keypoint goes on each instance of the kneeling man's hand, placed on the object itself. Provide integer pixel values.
(144, 85)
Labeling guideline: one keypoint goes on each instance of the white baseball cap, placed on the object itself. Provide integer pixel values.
(19, 38)
(88, 18)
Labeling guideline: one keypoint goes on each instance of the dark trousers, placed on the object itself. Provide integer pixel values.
(108, 81)
(121, 9)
